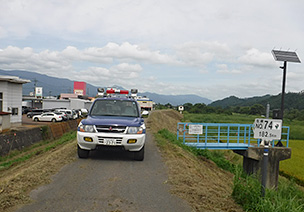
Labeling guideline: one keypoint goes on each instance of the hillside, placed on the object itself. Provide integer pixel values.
(176, 99)
(55, 86)
(51, 85)
(292, 101)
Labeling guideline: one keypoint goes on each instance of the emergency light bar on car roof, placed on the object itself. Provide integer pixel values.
(116, 91)
(102, 92)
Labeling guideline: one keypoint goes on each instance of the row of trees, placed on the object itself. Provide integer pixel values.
(256, 109)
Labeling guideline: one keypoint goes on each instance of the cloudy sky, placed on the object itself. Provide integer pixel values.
(212, 48)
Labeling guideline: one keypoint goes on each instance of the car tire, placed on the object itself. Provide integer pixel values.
(82, 153)
(53, 120)
(36, 119)
(29, 116)
(140, 155)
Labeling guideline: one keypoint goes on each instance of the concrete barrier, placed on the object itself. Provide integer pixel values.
(253, 162)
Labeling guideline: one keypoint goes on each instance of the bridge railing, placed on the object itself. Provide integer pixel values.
(223, 136)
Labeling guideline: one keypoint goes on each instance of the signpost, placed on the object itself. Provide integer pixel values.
(267, 130)
(195, 129)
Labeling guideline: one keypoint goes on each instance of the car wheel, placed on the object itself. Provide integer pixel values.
(29, 116)
(53, 120)
(140, 154)
(36, 119)
(82, 153)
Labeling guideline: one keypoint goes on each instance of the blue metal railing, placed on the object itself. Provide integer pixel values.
(224, 136)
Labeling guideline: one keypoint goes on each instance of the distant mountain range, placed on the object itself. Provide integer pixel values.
(176, 99)
(53, 86)
(291, 101)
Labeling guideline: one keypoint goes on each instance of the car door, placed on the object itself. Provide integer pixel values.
(46, 117)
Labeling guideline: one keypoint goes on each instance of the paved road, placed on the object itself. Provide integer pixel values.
(110, 182)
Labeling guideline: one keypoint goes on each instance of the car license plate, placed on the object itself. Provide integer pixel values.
(109, 141)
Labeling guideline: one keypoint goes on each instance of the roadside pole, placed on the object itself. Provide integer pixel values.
(267, 130)
(267, 111)
(265, 166)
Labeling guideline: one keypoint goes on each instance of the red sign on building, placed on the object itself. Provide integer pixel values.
(80, 88)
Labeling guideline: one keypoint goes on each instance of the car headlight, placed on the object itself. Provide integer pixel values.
(136, 130)
(86, 128)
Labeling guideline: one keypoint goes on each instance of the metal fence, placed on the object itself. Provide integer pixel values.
(224, 136)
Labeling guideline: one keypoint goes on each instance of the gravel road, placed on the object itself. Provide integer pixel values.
(110, 182)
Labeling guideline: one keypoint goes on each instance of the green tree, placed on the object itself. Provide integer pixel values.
(257, 109)
(168, 105)
(187, 106)
(245, 110)
(198, 108)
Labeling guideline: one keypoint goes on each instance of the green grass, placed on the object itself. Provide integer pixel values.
(247, 192)
(247, 189)
(216, 156)
(12, 158)
(295, 166)
(219, 118)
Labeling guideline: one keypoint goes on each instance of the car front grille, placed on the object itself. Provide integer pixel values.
(110, 129)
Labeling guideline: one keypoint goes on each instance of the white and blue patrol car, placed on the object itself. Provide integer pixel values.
(112, 122)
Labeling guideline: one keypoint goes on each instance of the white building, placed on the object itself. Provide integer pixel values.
(11, 98)
(66, 103)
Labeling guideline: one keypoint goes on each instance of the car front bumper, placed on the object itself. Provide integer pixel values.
(130, 142)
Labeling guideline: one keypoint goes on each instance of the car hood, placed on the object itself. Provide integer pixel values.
(113, 121)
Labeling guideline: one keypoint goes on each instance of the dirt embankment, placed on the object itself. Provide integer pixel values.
(198, 181)
(161, 119)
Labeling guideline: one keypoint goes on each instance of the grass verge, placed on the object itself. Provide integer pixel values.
(217, 157)
(28, 169)
(16, 156)
(247, 189)
(247, 192)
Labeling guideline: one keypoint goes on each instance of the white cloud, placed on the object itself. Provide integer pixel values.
(223, 69)
(46, 62)
(164, 46)
(201, 53)
(255, 57)
(119, 74)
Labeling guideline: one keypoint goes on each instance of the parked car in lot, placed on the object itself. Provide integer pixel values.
(75, 114)
(49, 116)
(34, 112)
(25, 109)
(69, 113)
(63, 115)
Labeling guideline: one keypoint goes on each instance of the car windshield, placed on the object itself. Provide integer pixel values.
(114, 108)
